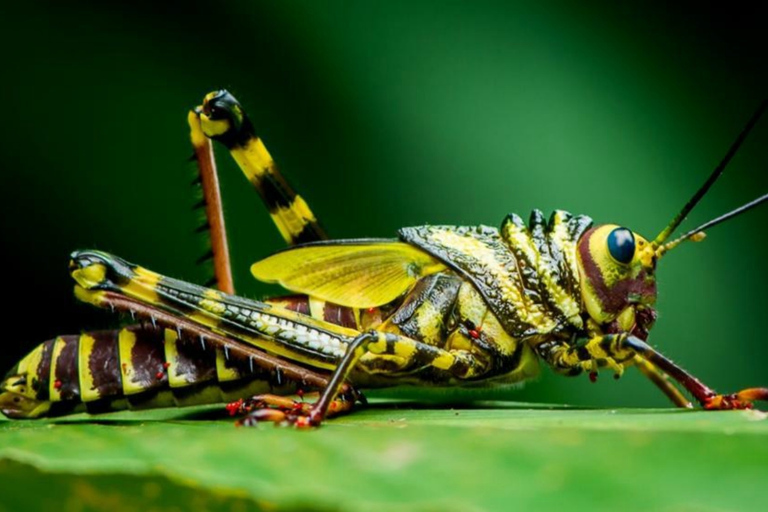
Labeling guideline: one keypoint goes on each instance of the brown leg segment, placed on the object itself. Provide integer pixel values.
(214, 214)
(708, 398)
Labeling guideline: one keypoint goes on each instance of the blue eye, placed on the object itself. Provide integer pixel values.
(621, 245)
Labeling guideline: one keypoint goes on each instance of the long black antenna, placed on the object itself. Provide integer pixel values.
(713, 222)
(667, 231)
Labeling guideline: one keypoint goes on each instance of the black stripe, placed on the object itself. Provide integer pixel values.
(67, 369)
(195, 364)
(311, 232)
(441, 291)
(275, 192)
(339, 315)
(485, 282)
(42, 380)
(104, 364)
(147, 358)
(102, 405)
(582, 353)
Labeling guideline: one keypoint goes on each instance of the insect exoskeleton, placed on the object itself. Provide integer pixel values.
(436, 306)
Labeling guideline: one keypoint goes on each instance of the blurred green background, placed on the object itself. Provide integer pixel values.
(390, 114)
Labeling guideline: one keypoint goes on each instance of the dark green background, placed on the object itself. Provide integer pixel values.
(389, 114)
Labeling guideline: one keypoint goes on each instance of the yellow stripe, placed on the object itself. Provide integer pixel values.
(444, 361)
(31, 363)
(195, 130)
(212, 302)
(563, 239)
(224, 373)
(404, 349)
(143, 285)
(53, 391)
(126, 341)
(88, 392)
(253, 159)
(317, 308)
(90, 276)
(210, 310)
(212, 128)
(172, 358)
(291, 220)
(521, 238)
(429, 321)
(527, 309)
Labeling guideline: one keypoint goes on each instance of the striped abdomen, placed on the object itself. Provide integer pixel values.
(134, 367)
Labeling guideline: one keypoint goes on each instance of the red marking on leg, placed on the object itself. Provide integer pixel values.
(159, 375)
(166, 365)
(371, 310)
(741, 400)
(234, 407)
(474, 334)
(57, 384)
(593, 376)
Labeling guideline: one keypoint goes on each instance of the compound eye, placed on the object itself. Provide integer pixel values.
(621, 245)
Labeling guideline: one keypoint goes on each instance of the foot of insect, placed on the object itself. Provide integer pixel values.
(742, 400)
(285, 411)
(613, 350)
(707, 397)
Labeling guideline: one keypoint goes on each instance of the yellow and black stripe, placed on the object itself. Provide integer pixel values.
(273, 329)
(223, 119)
(528, 275)
(131, 368)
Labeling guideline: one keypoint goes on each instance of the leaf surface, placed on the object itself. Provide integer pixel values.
(490, 456)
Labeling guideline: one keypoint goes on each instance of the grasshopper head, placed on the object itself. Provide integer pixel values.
(618, 281)
(617, 266)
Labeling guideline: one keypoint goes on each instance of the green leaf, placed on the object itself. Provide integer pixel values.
(492, 456)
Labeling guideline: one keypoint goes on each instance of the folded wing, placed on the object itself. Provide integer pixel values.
(355, 273)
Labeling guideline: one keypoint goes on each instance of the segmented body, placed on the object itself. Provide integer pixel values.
(441, 305)
(140, 367)
(464, 308)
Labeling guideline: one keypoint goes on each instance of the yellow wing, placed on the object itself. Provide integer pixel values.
(353, 273)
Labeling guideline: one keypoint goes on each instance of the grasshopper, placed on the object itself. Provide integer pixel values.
(436, 306)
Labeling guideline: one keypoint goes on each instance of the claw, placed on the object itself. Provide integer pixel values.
(279, 410)
(295, 418)
(284, 411)
(741, 400)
